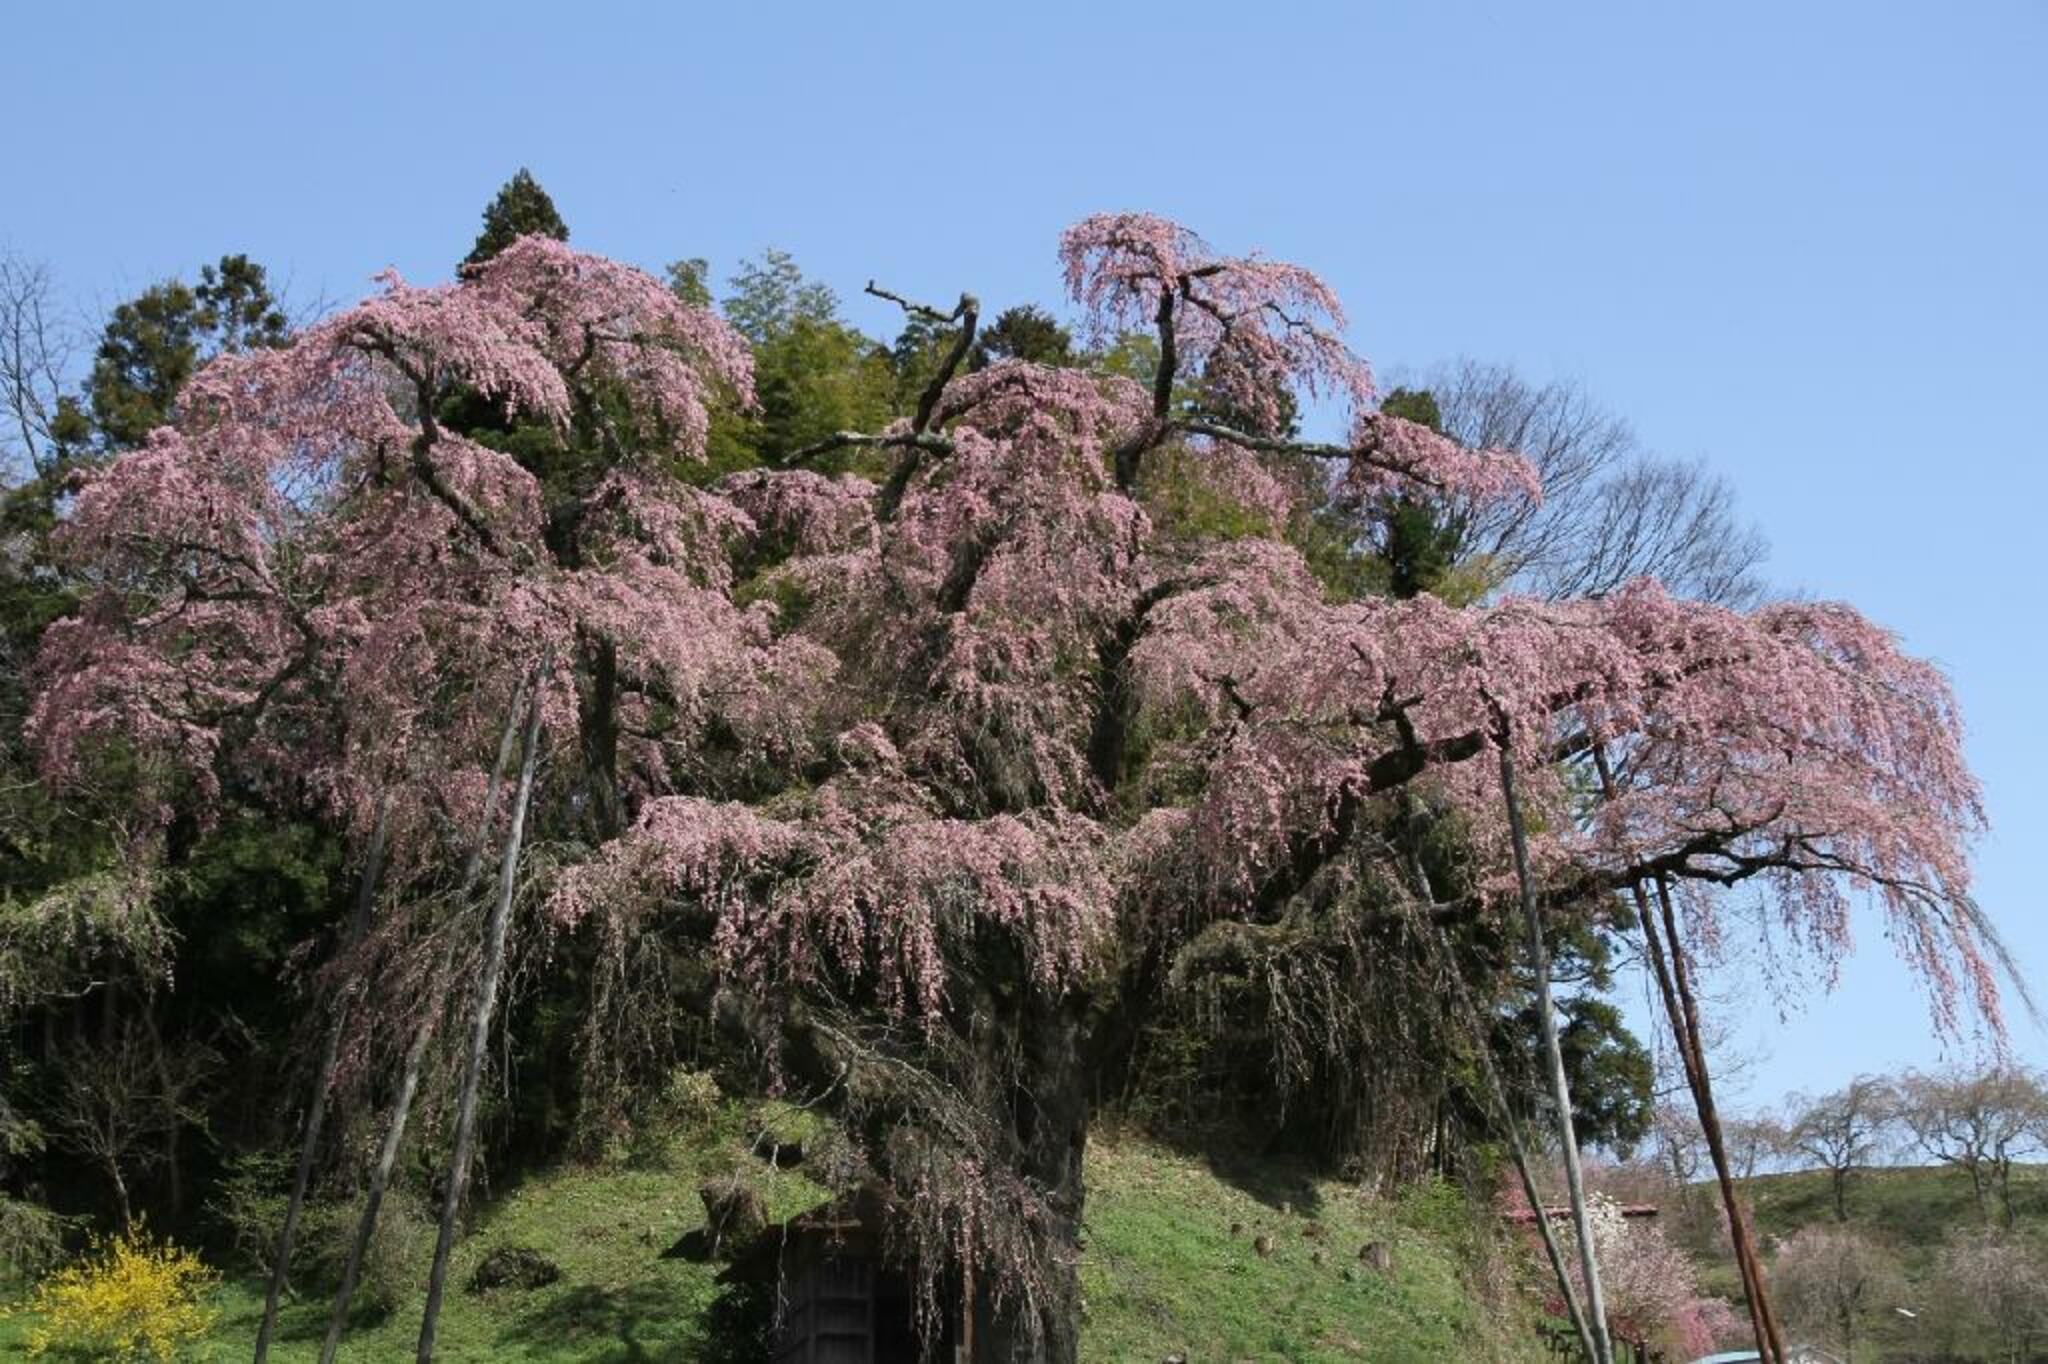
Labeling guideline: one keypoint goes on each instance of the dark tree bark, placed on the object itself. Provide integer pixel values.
(1050, 1125)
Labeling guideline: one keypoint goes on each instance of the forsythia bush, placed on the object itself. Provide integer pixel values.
(131, 1297)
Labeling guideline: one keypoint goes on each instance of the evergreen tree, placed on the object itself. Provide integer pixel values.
(156, 341)
(690, 279)
(520, 209)
(1025, 332)
(1421, 539)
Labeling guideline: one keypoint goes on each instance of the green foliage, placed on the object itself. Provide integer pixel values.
(521, 208)
(1607, 1067)
(1186, 505)
(1610, 1072)
(690, 281)
(1422, 541)
(249, 1205)
(1025, 332)
(156, 341)
(31, 1239)
(244, 898)
(813, 374)
(770, 296)
(1134, 356)
(50, 943)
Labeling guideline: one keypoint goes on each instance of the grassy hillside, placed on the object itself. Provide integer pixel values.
(1164, 1272)
(1910, 1210)
(1172, 1267)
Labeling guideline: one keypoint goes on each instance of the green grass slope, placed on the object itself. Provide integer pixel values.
(1164, 1272)
(1911, 1208)
(1172, 1267)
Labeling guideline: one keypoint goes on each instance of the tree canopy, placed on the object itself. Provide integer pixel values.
(933, 783)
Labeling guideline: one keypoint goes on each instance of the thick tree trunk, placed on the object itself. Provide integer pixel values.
(323, 1077)
(422, 1039)
(1051, 1127)
(1560, 1088)
(480, 1028)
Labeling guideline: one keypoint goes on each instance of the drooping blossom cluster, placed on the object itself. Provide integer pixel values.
(313, 571)
(1266, 324)
(1796, 744)
(858, 882)
(1258, 332)
(1390, 454)
(313, 582)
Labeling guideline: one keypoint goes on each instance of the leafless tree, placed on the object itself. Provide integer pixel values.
(1991, 1291)
(1611, 510)
(1844, 1131)
(1979, 1122)
(120, 1103)
(37, 348)
(1835, 1280)
(1680, 1145)
(1755, 1142)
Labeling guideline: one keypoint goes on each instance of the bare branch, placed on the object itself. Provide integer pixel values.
(36, 353)
(841, 440)
(1611, 510)
(923, 310)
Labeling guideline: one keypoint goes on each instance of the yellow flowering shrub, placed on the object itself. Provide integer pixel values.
(132, 1297)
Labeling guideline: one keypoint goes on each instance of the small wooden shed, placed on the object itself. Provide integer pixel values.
(839, 1299)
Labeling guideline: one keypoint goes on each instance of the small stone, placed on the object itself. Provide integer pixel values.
(1263, 1244)
(1237, 1228)
(1376, 1255)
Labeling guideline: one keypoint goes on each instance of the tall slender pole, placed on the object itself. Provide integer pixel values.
(1675, 989)
(323, 1077)
(416, 1051)
(1497, 1092)
(1560, 1088)
(1773, 1345)
(480, 1024)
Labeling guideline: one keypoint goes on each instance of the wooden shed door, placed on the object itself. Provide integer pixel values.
(831, 1315)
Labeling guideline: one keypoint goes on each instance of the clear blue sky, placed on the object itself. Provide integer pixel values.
(1802, 240)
